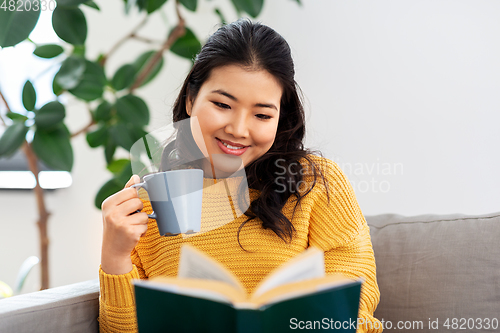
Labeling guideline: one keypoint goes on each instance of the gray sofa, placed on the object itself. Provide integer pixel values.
(436, 273)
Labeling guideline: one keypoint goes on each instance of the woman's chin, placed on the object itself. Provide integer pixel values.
(224, 165)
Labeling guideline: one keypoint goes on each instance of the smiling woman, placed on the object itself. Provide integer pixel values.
(244, 112)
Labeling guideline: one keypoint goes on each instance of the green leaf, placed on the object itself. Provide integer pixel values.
(143, 61)
(141, 4)
(133, 110)
(189, 4)
(16, 26)
(126, 134)
(238, 11)
(187, 46)
(299, 2)
(109, 188)
(221, 16)
(138, 133)
(92, 4)
(98, 137)
(103, 111)
(50, 116)
(139, 168)
(153, 5)
(91, 86)
(56, 88)
(109, 149)
(13, 138)
(124, 175)
(48, 51)
(152, 147)
(117, 166)
(54, 148)
(16, 116)
(70, 73)
(70, 3)
(122, 135)
(70, 25)
(252, 7)
(128, 5)
(79, 50)
(29, 96)
(124, 77)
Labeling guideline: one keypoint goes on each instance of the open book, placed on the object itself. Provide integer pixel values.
(206, 293)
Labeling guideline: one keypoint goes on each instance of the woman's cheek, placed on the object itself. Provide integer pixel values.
(267, 135)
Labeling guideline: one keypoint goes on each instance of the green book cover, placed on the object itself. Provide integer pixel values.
(207, 297)
(159, 310)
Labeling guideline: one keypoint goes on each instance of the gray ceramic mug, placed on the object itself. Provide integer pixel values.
(176, 198)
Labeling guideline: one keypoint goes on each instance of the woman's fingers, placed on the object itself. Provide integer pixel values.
(130, 206)
(133, 180)
(120, 197)
(139, 219)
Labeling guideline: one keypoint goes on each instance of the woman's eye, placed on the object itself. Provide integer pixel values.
(263, 116)
(221, 105)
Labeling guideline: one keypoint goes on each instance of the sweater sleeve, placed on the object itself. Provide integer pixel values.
(116, 299)
(338, 227)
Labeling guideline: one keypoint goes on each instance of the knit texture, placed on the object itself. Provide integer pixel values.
(333, 223)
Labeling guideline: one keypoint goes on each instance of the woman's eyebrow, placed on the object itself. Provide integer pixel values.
(222, 92)
(270, 106)
(228, 95)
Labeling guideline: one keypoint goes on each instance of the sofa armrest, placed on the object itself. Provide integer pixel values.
(71, 308)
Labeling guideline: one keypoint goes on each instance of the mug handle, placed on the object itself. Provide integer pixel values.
(144, 185)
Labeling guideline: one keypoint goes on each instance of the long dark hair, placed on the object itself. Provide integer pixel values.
(258, 47)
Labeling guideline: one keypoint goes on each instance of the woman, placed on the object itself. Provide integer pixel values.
(242, 92)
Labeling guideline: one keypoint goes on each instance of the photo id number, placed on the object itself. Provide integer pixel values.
(27, 5)
(471, 323)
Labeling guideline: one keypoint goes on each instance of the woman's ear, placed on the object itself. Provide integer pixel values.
(189, 105)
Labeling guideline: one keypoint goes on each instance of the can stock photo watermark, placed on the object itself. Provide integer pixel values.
(364, 177)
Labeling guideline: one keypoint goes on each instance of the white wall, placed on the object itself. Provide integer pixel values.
(402, 94)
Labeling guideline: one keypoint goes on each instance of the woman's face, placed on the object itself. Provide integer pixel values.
(238, 112)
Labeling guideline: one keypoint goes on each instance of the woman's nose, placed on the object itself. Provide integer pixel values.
(238, 126)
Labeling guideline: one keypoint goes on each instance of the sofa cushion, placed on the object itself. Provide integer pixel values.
(72, 308)
(438, 267)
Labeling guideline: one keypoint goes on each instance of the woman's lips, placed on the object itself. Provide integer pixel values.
(236, 152)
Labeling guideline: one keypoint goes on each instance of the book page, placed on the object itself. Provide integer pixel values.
(307, 265)
(298, 289)
(195, 264)
(207, 289)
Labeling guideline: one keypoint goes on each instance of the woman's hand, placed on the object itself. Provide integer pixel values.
(122, 228)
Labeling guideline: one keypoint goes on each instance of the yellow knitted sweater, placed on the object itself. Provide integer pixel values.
(335, 225)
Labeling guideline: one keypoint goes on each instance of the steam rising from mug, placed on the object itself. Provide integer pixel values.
(180, 146)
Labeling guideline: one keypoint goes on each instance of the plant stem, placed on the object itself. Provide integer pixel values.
(83, 130)
(43, 215)
(42, 211)
(123, 40)
(6, 105)
(146, 40)
(178, 32)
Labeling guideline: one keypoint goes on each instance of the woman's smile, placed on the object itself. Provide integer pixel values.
(233, 149)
